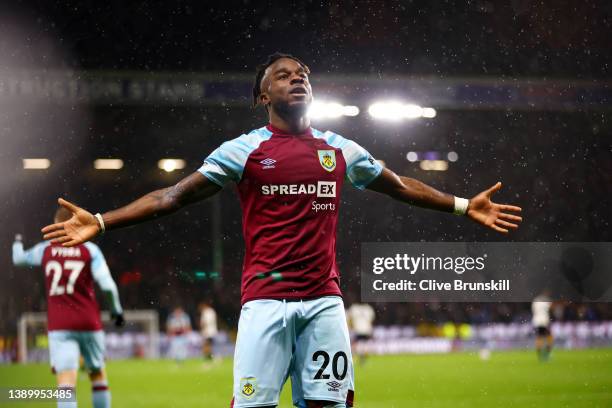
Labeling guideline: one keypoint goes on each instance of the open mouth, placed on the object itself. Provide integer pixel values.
(298, 91)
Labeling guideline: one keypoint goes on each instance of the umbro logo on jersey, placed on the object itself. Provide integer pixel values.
(268, 163)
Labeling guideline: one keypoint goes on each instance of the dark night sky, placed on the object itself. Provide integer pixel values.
(450, 38)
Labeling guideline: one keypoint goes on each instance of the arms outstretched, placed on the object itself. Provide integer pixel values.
(480, 209)
(83, 226)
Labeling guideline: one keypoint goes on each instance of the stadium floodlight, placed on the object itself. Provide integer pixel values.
(36, 164)
(397, 110)
(413, 111)
(331, 110)
(392, 110)
(108, 164)
(429, 113)
(170, 165)
(434, 165)
(350, 110)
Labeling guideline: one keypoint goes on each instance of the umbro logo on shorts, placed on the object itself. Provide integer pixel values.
(333, 386)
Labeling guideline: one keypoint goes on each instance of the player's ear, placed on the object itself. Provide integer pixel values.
(264, 99)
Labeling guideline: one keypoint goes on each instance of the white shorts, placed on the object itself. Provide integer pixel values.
(66, 345)
(307, 340)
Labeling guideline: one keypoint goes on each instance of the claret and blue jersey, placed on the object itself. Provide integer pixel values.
(289, 187)
(69, 276)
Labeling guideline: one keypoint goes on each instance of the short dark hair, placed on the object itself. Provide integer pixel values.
(261, 70)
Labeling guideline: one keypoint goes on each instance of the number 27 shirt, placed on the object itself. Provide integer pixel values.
(69, 276)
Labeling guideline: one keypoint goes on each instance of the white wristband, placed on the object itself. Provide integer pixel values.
(461, 206)
(103, 228)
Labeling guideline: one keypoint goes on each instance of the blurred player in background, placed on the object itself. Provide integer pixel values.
(73, 314)
(178, 328)
(289, 178)
(540, 307)
(361, 321)
(208, 329)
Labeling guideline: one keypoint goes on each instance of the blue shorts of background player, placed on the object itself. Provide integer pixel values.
(65, 347)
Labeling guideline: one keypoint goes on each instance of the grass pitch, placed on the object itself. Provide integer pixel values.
(507, 379)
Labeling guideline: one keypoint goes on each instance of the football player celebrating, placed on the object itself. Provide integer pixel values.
(289, 177)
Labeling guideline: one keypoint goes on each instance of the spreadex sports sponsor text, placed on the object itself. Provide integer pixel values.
(323, 189)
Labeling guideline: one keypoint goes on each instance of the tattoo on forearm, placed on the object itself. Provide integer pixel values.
(160, 202)
(426, 196)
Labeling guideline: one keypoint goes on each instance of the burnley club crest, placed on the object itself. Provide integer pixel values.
(327, 158)
(248, 387)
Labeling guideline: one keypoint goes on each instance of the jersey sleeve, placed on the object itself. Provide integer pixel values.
(227, 162)
(102, 276)
(30, 257)
(361, 168)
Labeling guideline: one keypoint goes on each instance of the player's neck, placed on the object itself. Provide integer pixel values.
(295, 125)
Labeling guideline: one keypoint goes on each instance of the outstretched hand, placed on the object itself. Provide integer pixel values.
(81, 227)
(495, 216)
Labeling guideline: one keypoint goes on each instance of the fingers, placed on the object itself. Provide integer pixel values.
(52, 227)
(61, 240)
(68, 205)
(506, 224)
(71, 243)
(499, 229)
(505, 207)
(494, 188)
(55, 234)
(510, 217)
